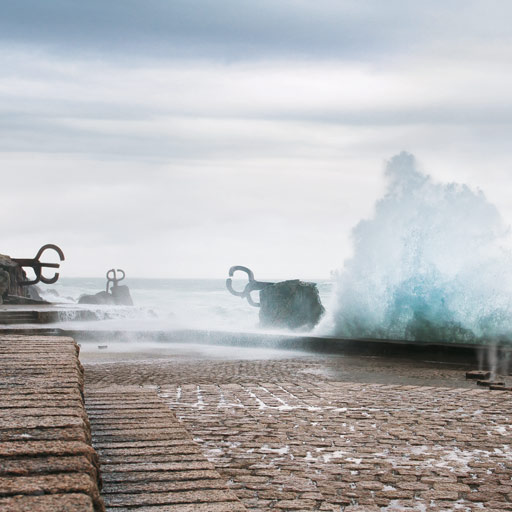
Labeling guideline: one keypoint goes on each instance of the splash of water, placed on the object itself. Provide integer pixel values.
(430, 265)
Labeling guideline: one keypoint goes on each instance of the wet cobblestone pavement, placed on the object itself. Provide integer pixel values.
(374, 369)
(329, 433)
(336, 446)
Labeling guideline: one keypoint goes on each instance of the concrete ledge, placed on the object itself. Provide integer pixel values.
(434, 349)
(46, 459)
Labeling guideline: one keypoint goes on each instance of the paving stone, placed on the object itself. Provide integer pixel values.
(368, 441)
(46, 434)
(51, 503)
(311, 433)
(150, 450)
(42, 465)
(153, 466)
(223, 506)
(156, 476)
(41, 448)
(164, 498)
(37, 422)
(165, 486)
(49, 484)
(298, 504)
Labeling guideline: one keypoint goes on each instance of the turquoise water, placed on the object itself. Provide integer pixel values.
(434, 263)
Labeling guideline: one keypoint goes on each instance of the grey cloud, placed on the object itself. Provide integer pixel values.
(46, 134)
(121, 153)
(234, 29)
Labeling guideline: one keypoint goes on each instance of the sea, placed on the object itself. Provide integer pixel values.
(432, 263)
(166, 304)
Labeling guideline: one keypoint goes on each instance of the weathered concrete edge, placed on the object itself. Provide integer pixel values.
(254, 338)
(459, 352)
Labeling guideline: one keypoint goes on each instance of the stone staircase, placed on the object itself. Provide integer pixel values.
(149, 461)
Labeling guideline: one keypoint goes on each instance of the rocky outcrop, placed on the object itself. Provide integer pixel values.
(5, 281)
(291, 305)
(119, 296)
(16, 275)
(97, 298)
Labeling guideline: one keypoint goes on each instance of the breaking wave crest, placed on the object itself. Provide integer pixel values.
(432, 264)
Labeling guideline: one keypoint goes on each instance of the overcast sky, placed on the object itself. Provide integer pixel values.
(175, 138)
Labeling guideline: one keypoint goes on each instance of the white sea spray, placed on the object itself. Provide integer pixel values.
(433, 263)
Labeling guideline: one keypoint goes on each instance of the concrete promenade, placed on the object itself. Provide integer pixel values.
(331, 433)
(47, 464)
(191, 429)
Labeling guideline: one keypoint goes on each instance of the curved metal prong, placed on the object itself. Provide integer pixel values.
(110, 279)
(241, 268)
(251, 301)
(229, 281)
(54, 247)
(28, 283)
(49, 280)
(229, 286)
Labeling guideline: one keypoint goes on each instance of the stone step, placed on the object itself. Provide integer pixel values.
(46, 460)
(149, 461)
(18, 317)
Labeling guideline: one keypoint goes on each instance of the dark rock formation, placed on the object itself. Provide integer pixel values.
(33, 292)
(5, 281)
(290, 304)
(97, 298)
(16, 276)
(119, 296)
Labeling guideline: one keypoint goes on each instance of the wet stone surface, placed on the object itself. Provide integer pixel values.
(46, 460)
(333, 446)
(348, 368)
(307, 433)
(148, 458)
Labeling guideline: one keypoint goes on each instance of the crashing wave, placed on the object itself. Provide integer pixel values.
(432, 264)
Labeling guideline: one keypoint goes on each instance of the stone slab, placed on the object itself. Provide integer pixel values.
(46, 460)
(51, 503)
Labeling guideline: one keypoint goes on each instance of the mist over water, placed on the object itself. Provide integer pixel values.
(432, 264)
(163, 304)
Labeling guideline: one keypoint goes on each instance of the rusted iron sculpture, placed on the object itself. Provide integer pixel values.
(38, 266)
(250, 287)
(112, 278)
(290, 304)
(114, 294)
